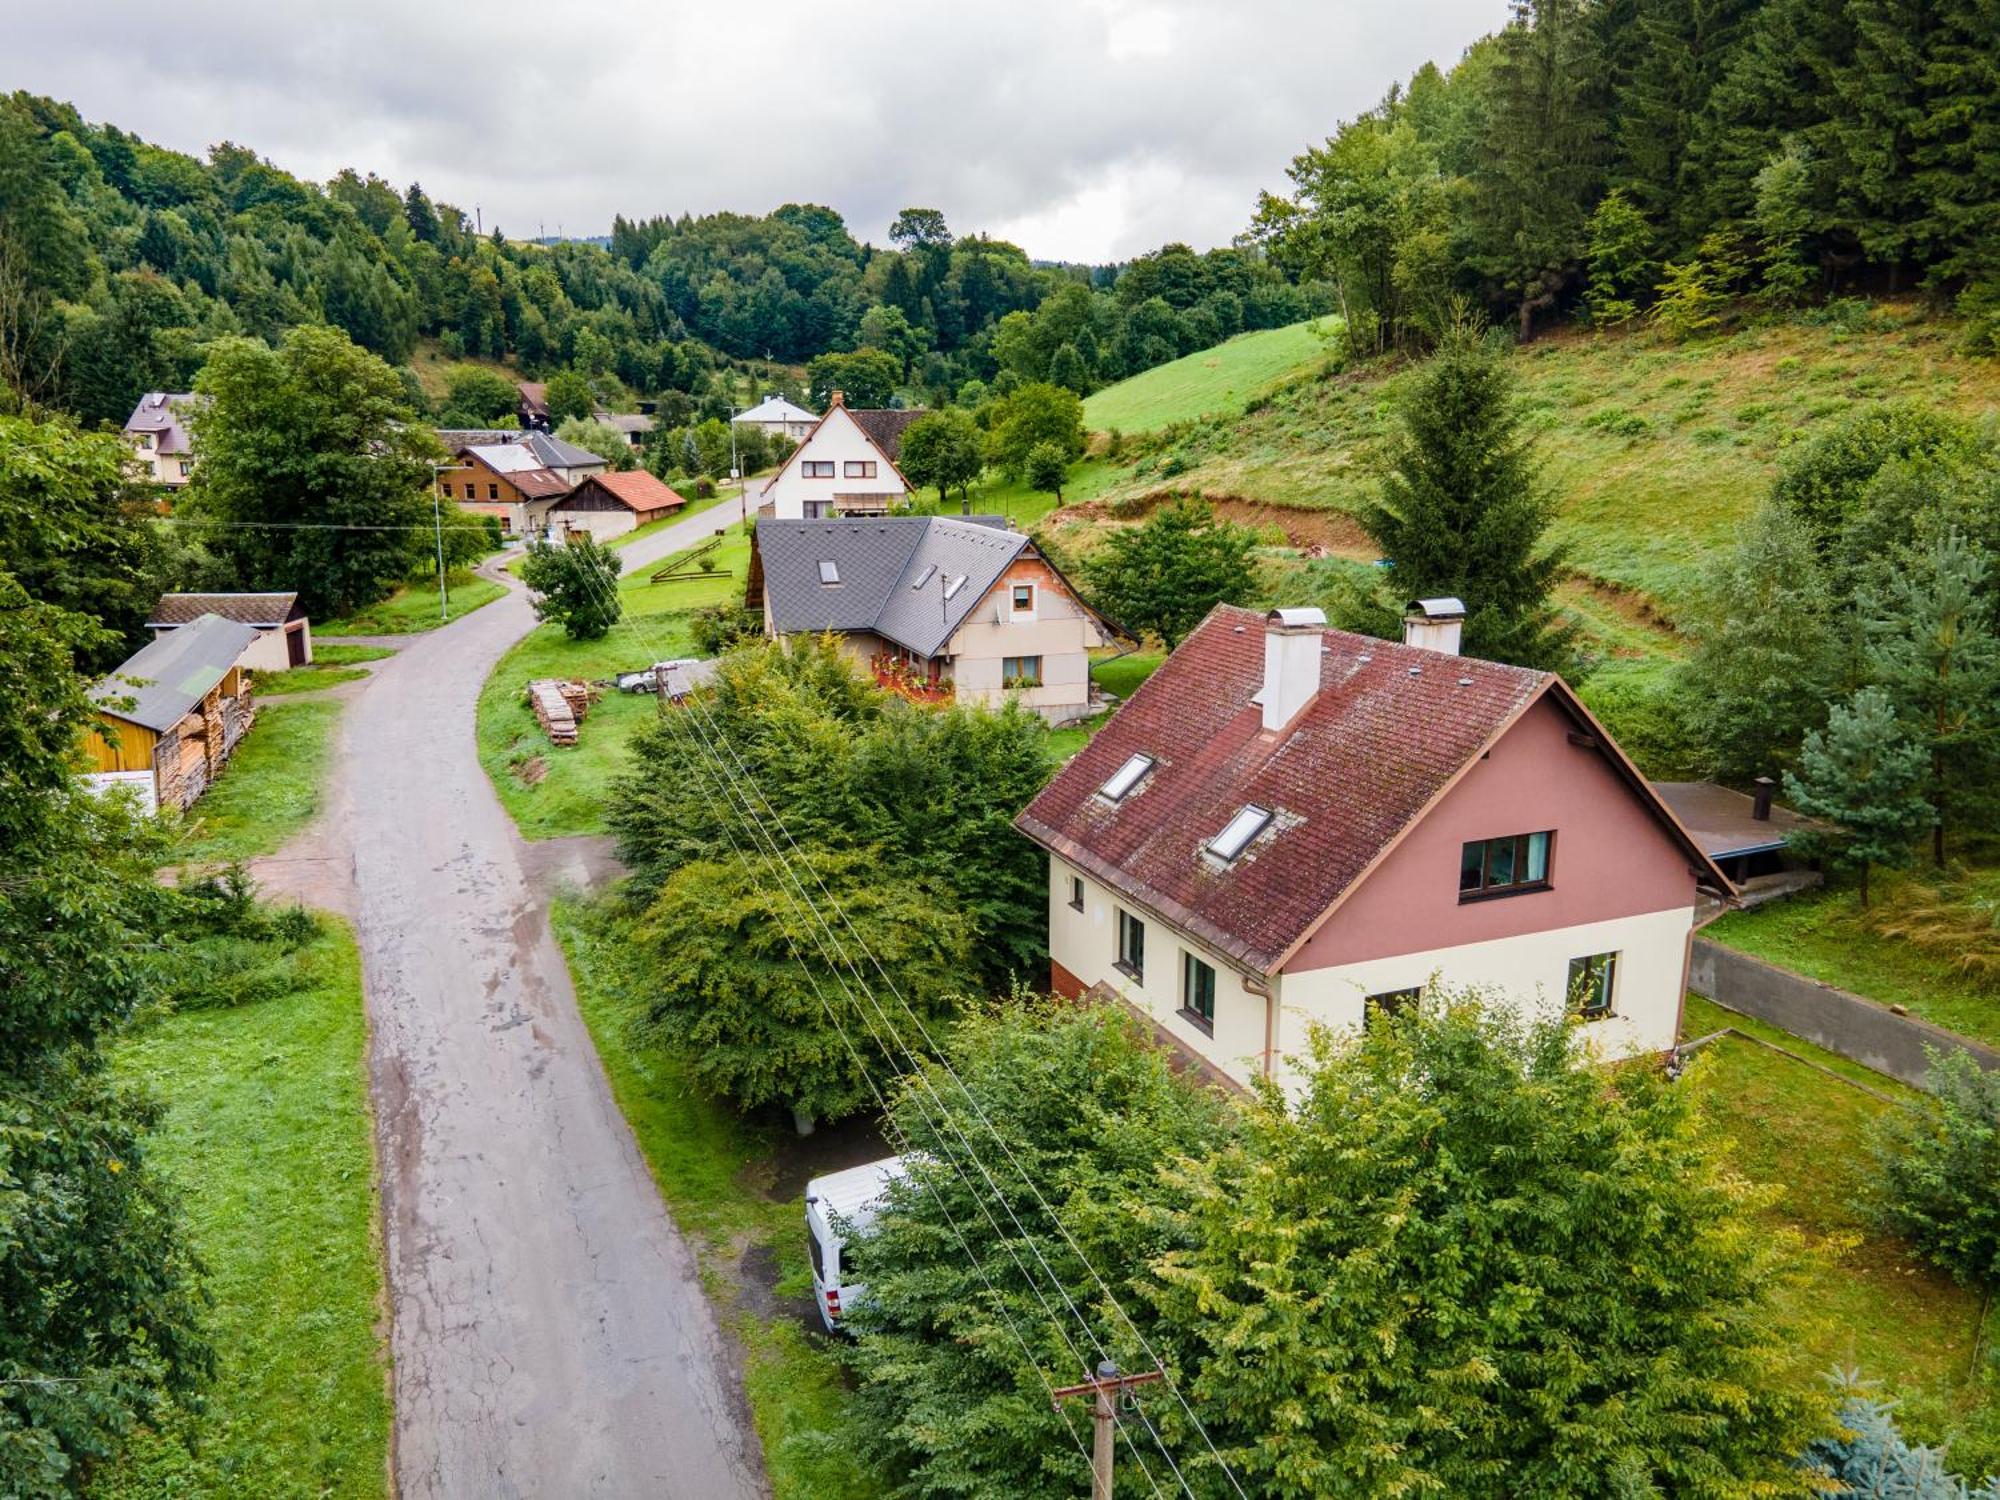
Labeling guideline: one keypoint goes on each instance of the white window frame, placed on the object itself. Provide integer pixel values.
(1121, 783)
(1239, 833)
(1014, 611)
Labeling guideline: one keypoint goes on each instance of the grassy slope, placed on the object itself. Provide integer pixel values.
(414, 607)
(266, 1132)
(708, 1163)
(1866, 1302)
(549, 792)
(1210, 381)
(1822, 935)
(1656, 452)
(271, 787)
(348, 656)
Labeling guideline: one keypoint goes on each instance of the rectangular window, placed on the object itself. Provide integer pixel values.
(818, 510)
(1125, 778)
(1076, 893)
(1493, 867)
(1240, 830)
(816, 468)
(1024, 598)
(187, 467)
(145, 440)
(858, 468)
(1392, 1002)
(492, 490)
(1198, 992)
(1021, 671)
(1592, 984)
(1131, 945)
(829, 571)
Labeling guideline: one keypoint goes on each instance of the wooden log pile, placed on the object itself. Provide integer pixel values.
(560, 707)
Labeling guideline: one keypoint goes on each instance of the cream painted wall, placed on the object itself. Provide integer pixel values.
(839, 441)
(1056, 628)
(1086, 944)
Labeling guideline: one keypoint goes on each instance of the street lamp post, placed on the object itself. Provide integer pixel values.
(437, 525)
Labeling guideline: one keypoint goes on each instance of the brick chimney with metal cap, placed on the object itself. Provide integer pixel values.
(836, 398)
(1434, 624)
(1292, 640)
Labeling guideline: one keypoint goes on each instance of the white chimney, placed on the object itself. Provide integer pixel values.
(1434, 625)
(1292, 643)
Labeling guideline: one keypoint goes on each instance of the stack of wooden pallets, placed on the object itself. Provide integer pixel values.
(559, 706)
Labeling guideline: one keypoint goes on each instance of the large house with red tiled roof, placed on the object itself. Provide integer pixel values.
(1289, 824)
(846, 466)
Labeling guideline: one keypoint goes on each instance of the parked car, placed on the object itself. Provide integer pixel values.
(839, 1207)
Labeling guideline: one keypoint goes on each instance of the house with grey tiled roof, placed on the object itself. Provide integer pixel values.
(1288, 826)
(942, 607)
(158, 433)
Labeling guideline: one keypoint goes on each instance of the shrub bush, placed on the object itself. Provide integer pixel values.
(1939, 1165)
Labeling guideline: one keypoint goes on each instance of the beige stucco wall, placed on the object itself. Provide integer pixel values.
(602, 524)
(1532, 970)
(1057, 629)
(1086, 944)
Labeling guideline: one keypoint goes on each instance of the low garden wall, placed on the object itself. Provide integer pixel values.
(1857, 1029)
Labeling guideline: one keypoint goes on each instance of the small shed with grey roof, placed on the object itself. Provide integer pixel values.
(950, 606)
(176, 708)
(284, 633)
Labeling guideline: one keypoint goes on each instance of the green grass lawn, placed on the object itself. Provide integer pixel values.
(414, 607)
(305, 679)
(1866, 1301)
(1115, 674)
(551, 792)
(693, 507)
(266, 1134)
(1821, 934)
(1211, 381)
(269, 790)
(711, 1166)
(348, 656)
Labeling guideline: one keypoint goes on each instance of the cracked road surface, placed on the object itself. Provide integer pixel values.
(550, 1334)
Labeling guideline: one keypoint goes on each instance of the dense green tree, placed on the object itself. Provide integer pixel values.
(1783, 215)
(1937, 1160)
(948, 1400)
(1864, 776)
(1046, 469)
(570, 396)
(1933, 647)
(575, 584)
(943, 448)
(1824, 479)
(1164, 575)
(1621, 260)
(1463, 512)
(311, 475)
(479, 396)
(1067, 370)
(866, 378)
(1767, 654)
(601, 438)
(1029, 416)
(1434, 1253)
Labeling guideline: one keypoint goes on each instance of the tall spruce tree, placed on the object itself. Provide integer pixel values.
(1463, 511)
(1865, 776)
(1932, 645)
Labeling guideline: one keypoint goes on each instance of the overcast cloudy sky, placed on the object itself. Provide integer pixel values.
(1082, 129)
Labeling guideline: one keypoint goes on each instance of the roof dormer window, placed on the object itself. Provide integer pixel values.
(1125, 778)
(1241, 829)
(829, 571)
(954, 586)
(929, 572)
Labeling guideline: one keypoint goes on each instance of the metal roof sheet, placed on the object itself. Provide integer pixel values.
(169, 676)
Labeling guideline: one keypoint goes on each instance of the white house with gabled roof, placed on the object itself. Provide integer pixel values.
(846, 466)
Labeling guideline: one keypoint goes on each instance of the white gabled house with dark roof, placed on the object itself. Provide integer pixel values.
(845, 466)
(1289, 824)
(940, 607)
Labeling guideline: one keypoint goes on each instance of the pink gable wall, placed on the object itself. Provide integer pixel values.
(1612, 858)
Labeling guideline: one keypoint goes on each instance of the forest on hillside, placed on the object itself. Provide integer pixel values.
(121, 261)
(1624, 158)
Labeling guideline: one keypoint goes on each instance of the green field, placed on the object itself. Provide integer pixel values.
(348, 656)
(266, 1134)
(414, 607)
(1865, 1302)
(269, 790)
(306, 679)
(1210, 382)
(714, 1169)
(551, 792)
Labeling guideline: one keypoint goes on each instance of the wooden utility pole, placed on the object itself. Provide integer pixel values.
(1107, 1388)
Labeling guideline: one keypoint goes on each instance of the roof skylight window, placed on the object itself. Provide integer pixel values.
(954, 586)
(1242, 828)
(929, 572)
(1125, 778)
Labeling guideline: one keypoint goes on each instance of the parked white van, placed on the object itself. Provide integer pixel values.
(852, 1199)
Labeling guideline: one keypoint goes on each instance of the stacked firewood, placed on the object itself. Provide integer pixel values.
(560, 707)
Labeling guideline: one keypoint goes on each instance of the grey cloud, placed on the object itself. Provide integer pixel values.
(1096, 127)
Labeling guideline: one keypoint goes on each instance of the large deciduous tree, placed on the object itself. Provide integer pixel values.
(1031, 415)
(575, 583)
(310, 474)
(1163, 575)
(944, 449)
(1463, 511)
(1461, 1264)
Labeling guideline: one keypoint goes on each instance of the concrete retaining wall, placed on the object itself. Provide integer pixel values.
(1858, 1029)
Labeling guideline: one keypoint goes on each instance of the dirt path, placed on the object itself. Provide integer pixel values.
(550, 1333)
